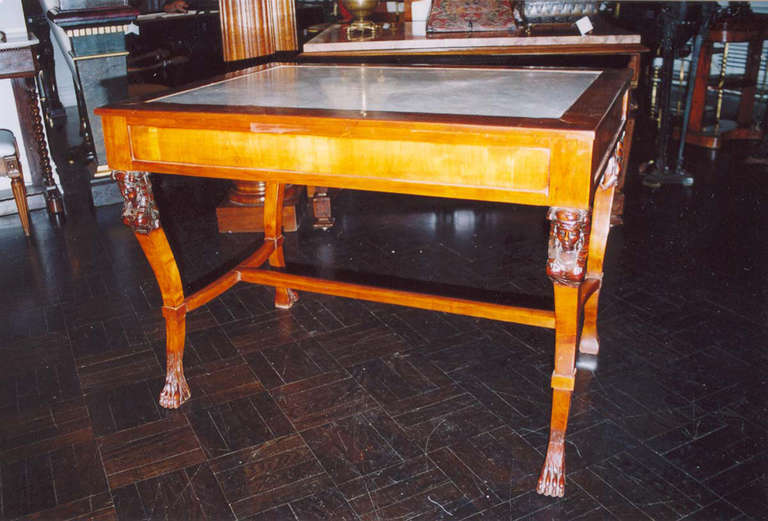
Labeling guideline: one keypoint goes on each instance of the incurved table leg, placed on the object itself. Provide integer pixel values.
(566, 268)
(273, 227)
(590, 342)
(176, 390)
(577, 243)
(598, 238)
(140, 214)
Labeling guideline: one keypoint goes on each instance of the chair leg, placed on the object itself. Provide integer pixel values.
(12, 169)
(20, 195)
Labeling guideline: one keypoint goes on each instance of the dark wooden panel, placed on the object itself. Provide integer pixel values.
(16, 63)
(150, 450)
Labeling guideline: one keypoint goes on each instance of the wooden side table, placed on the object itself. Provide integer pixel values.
(510, 142)
(712, 134)
(17, 63)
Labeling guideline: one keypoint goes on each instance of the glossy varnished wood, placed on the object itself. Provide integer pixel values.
(519, 315)
(252, 29)
(399, 43)
(571, 163)
(317, 147)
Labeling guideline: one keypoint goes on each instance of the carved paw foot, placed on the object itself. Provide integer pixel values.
(285, 298)
(175, 392)
(552, 479)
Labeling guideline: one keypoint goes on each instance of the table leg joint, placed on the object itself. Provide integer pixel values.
(568, 240)
(139, 208)
(174, 310)
(564, 382)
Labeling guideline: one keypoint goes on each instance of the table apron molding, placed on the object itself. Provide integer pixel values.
(516, 168)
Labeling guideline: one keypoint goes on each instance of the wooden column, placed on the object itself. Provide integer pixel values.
(257, 28)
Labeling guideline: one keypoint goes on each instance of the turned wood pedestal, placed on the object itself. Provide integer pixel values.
(243, 211)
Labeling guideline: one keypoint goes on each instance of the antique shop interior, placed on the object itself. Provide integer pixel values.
(349, 269)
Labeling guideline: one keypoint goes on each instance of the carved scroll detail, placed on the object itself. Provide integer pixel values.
(139, 210)
(613, 168)
(568, 237)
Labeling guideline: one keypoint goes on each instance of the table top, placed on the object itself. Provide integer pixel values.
(162, 17)
(400, 39)
(469, 91)
(526, 136)
(16, 57)
(18, 43)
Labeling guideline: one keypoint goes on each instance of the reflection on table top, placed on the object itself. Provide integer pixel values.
(160, 17)
(501, 92)
(400, 39)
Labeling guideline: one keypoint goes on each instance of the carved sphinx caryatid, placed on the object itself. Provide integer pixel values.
(139, 209)
(568, 241)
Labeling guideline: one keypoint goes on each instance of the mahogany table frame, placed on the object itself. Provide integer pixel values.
(454, 49)
(570, 164)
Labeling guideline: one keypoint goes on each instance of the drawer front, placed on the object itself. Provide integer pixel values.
(498, 166)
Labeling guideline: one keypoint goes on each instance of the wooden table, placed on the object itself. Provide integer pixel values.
(561, 39)
(540, 45)
(18, 63)
(753, 30)
(460, 132)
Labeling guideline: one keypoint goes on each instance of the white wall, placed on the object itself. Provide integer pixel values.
(10, 120)
(13, 25)
(12, 19)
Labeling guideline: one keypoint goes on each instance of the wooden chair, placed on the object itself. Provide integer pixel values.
(10, 166)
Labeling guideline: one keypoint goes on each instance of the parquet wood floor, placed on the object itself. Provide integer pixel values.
(344, 410)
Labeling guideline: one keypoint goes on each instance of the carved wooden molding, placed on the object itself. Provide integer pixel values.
(613, 168)
(568, 240)
(139, 209)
